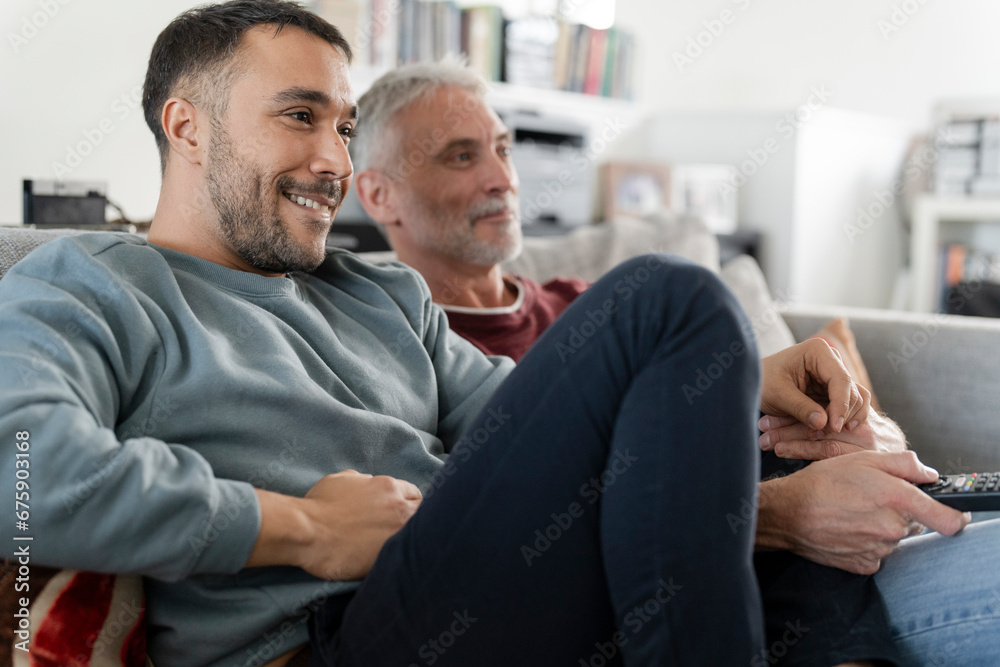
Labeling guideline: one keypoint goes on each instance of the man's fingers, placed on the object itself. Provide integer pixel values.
(860, 406)
(771, 422)
(408, 490)
(904, 465)
(814, 450)
(796, 431)
(801, 407)
(937, 516)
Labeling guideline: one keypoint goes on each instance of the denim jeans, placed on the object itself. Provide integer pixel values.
(943, 596)
(600, 508)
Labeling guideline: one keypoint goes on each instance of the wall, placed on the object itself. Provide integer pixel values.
(773, 51)
(72, 87)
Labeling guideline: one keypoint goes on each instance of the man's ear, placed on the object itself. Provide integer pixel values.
(186, 136)
(375, 190)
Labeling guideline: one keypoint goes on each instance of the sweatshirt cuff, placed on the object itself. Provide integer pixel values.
(228, 537)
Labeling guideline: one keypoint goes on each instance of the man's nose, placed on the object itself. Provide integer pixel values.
(331, 161)
(501, 176)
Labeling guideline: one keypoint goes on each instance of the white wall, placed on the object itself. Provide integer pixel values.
(82, 68)
(774, 50)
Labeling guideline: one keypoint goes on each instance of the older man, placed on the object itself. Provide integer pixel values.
(433, 167)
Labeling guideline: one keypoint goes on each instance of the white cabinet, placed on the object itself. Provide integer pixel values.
(981, 217)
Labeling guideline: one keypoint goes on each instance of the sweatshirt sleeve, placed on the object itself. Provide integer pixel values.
(466, 377)
(77, 349)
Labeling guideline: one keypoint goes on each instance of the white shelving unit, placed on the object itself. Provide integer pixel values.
(929, 212)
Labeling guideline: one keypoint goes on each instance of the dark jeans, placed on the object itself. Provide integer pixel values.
(597, 509)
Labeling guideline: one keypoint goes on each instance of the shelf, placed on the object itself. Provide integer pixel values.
(928, 214)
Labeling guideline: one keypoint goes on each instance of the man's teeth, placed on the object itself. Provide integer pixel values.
(309, 203)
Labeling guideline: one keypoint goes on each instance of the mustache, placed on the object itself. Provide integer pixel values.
(333, 191)
(508, 202)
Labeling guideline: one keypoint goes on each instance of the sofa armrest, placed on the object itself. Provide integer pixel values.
(938, 376)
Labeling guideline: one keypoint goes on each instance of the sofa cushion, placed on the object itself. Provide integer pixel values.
(743, 276)
(74, 618)
(590, 252)
(16, 242)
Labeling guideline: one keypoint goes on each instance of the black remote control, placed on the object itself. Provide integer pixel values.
(968, 492)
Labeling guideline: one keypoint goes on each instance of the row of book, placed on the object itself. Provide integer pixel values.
(539, 52)
(545, 53)
(960, 264)
(969, 161)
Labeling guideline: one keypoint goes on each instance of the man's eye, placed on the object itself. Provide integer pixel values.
(463, 157)
(505, 151)
(348, 133)
(301, 116)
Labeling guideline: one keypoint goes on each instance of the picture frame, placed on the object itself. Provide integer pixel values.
(634, 189)
(705, 191)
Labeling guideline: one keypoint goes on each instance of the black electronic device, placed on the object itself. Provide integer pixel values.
(968, 492)
(64, 203)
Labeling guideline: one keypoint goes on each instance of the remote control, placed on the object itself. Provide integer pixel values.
(968, 492)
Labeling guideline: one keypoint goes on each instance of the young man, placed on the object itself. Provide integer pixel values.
(433, 167)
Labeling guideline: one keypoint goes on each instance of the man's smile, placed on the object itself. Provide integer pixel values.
(315, 202)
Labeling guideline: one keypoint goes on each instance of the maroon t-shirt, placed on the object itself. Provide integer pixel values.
(512, 333)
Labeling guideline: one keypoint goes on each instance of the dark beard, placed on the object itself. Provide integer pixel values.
(258, 235)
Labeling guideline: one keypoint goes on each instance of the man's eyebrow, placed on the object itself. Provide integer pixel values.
(458, 143)
(505, 136)
(299, 94)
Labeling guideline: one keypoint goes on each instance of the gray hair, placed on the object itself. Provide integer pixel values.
(397, 91)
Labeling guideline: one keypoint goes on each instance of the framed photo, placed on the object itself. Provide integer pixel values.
(706, 191)
(634, 189)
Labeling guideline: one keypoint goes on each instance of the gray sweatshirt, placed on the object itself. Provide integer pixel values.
(158, 389)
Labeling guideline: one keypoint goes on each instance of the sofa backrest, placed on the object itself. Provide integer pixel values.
(16, 242)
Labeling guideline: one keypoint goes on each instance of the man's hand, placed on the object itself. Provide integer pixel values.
(851, 511)
(336, 531)
(788, 438)
(809, 382)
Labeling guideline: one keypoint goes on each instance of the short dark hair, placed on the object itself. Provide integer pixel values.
(203, 42)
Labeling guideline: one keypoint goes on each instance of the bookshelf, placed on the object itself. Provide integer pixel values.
(937, 220)
(502, 42)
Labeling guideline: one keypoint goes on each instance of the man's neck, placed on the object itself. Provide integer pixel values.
(185, 228)
(455, 283)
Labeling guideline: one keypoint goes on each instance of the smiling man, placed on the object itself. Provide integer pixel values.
(242, 506)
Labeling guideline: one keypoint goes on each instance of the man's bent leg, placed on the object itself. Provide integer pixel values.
(943, 596)
(602, 505)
